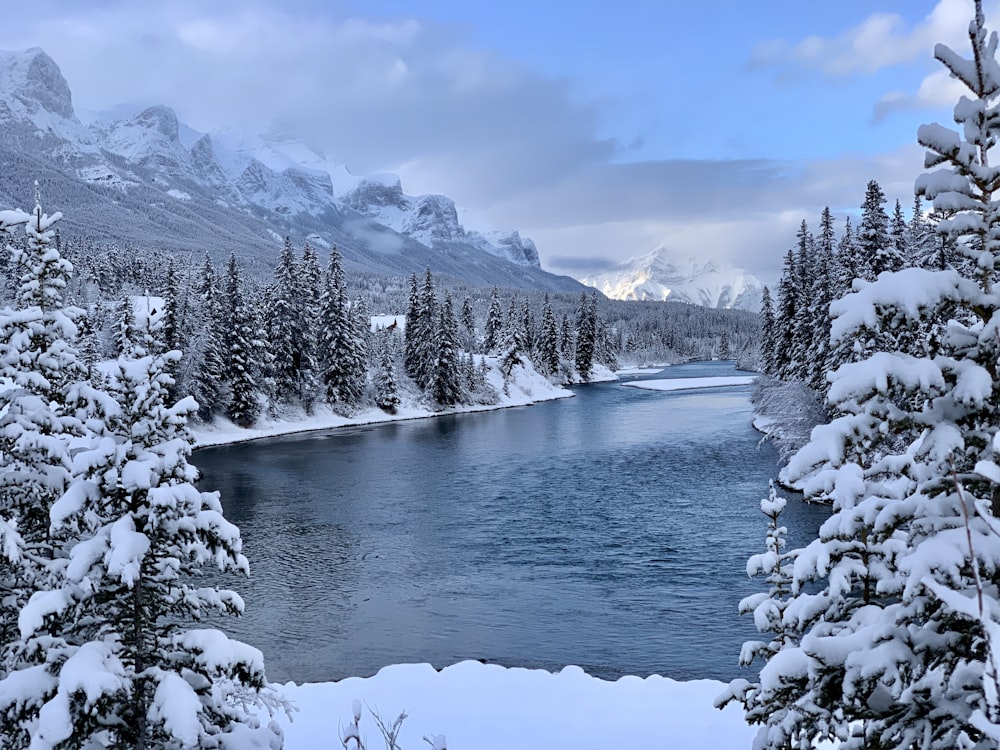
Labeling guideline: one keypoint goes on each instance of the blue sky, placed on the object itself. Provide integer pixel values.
(602, 130)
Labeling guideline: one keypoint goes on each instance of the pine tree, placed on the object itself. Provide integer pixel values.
(386, 389)
(468, 324)
(802, 322)
(311, 285)
(426, 329)
(494, 324)
(43, 386)
(550, 340)
(287, 326)
(413, 334)
(789, 308)
(896, 600)
(899, 233)
(446, 385)
(209, 372)
(586, 335)
(567, 342)
(848, 263)
(768, 332)
(821, 294)
(920, 236)
(241, 367)
(528, 327)
(122, 666)
(877, 251)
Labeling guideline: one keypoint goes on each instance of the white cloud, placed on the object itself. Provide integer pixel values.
(880, 41)
(938, 90)
(419, 99)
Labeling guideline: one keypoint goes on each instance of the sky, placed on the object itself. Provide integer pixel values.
(601, 130)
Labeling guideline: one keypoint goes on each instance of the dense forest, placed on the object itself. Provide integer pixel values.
(268, 343)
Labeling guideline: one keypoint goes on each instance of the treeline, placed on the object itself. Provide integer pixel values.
(256, 346)
(823, 267)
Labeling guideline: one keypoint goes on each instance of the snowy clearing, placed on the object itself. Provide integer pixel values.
(489, 707)
(684, 384)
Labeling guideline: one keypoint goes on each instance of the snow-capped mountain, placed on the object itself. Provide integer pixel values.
(432, 219)
(660, 276)
(150, 179)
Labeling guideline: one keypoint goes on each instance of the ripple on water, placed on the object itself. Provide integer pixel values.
(609, 530)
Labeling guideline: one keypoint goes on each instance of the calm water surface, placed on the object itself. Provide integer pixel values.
(609, 530)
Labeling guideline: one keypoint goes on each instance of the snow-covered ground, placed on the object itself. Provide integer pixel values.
(684, 384)
(488, 707)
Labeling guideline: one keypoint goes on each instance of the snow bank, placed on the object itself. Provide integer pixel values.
(489, 707)
(684, 384)
(641, 370)
(525, 387)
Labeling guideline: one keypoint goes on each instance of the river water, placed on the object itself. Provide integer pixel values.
(609, 530)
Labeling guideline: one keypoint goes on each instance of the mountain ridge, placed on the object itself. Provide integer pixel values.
(138, 182)
(659, 275)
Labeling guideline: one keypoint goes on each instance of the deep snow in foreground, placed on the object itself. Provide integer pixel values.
(489, 707)
(684, 384)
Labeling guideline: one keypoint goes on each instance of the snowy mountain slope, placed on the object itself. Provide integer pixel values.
(147, 178)
(659, 276)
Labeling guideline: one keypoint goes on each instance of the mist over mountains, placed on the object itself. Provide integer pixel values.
(150, 180)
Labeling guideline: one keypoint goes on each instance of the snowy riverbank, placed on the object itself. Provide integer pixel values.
(525, 387)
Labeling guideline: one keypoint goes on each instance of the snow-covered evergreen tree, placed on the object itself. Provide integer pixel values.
(287, 326)
(768, 332)
(311, 284)
(40, 375)
(549, 345)
(413, 333)
(386, 394)
(241, 366)
(494, 323)
(897, 600)
(878, 252)
(586, 335)
(446, 384)
(208, 378)
(113, 659)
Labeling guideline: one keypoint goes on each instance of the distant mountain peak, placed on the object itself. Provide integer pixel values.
(161, 119)
(30, 81)
(660, 275)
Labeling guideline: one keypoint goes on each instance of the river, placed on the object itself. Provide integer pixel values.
(609, 530)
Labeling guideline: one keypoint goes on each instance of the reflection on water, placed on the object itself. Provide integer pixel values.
(610, 530)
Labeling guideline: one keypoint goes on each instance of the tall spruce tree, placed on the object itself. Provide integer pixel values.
(241, 366)
(896, 600)
(586, 335)
(123, 665)
(446, 383)
(768, 333)
(549, 345)
(287, 326)
(494, 323)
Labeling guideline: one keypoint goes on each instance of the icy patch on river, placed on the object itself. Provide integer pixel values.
(685, 384)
